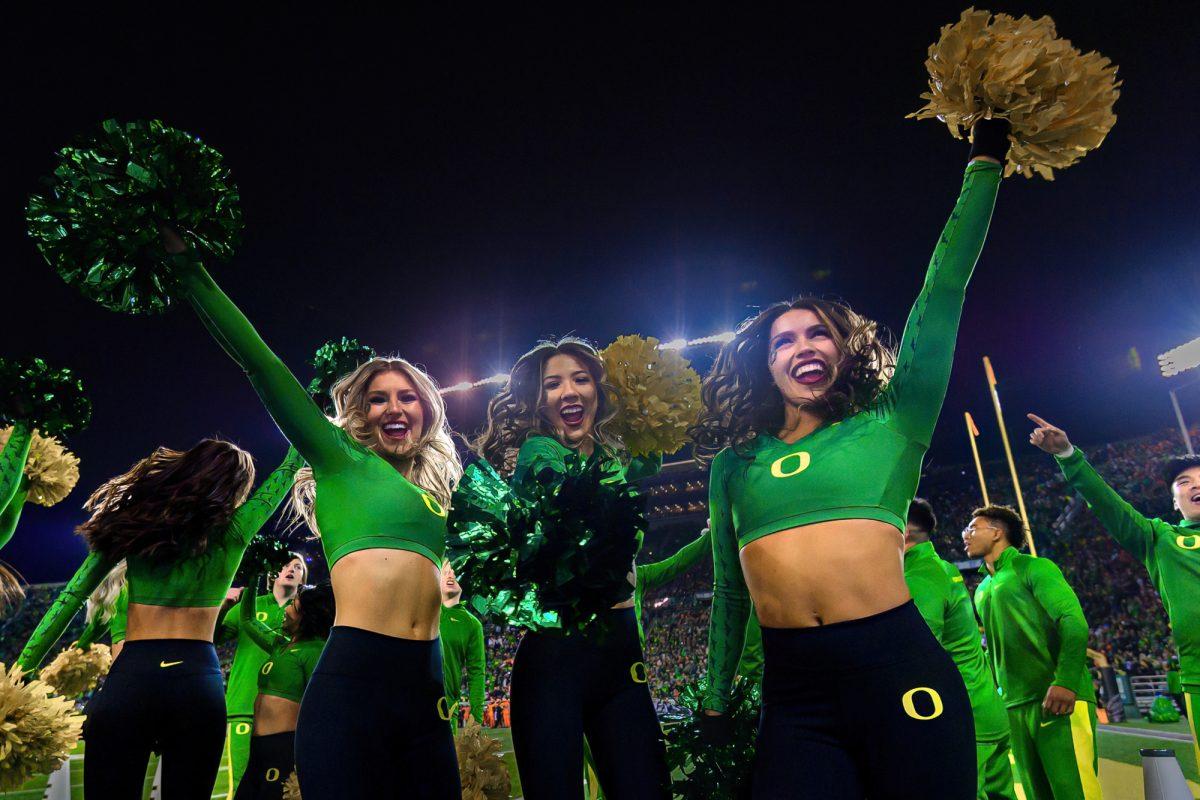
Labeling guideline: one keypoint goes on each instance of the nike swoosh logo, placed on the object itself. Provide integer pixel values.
(165, 664)
(1044, 724)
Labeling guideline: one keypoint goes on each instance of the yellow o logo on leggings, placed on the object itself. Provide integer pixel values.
(1182, 542)
(911, 709)
(802, 461)
(272, 775)
(242, 728)
(444, 708)
(433, 505)
(638, 672)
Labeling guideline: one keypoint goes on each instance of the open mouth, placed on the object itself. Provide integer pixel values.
(396, 431)
(809, 372)
(1196, 498)
(572, 414)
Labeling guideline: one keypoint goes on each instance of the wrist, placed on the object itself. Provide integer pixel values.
(1065, 454)
(989, 139)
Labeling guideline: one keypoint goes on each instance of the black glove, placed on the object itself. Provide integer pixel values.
(990, 138)
(715, 729)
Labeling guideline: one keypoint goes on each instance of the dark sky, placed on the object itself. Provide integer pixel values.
(453, 189)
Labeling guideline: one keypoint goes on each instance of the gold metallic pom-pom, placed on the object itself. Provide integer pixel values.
(38, 729)
(481, 770)
(75, 671)
(291, 787)
(52, 469)
(660, 395)
(1058, 100)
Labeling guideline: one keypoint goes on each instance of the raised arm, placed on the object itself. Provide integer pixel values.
(926, 353)
(650, 576)
(476, 669)
(1055, 595)
(12, 462)
(11, 514)
(64, 609)
(731, 600)
(286, 400)
(253, 514)
(261, 634)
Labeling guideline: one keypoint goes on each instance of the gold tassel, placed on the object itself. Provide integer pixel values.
(38, 729)
(1058, 100)
(291, 787)
(75, 671)
(481, 770)
(52, 469)
(660, 395)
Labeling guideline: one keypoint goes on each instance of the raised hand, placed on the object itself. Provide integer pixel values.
(1048, 438)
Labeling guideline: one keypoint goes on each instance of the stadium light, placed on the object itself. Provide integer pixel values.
(1180, 359)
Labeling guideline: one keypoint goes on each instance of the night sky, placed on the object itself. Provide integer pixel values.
(453, 189)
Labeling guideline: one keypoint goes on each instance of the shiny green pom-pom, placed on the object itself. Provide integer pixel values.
(266, 555)
(51, 399)
(710, 772)
(98, 222)
(332, 362)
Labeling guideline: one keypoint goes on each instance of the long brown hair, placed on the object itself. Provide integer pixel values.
(516, 412)
(170, 505)
(741, 399)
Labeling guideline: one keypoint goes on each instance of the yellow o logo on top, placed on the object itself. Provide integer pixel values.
(433, 505)
(242, 728)
(911, 709)
(261, 616)
(1183, 542)
(267, 667)
(803, 459)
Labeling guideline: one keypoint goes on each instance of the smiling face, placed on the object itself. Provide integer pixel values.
(450, 589)
(1185, 490)
(569, 398)
(801, 354)
(395, 414)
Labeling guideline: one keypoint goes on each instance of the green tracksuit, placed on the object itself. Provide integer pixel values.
(1037, 637)
(242, 688)
(938, 591)
(1170, 553)
(462, 645)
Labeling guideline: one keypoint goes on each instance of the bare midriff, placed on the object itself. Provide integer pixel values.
(274, 715)
(171, 622)
(825, 572)
(392, 592)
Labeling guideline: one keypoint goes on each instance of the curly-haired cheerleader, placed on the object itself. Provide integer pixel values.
(181, 521)
(819, 456)
(385, 468)
(566, 685)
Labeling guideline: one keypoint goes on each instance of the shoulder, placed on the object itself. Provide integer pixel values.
(1039, 568)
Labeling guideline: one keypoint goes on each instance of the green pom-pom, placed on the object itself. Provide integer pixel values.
(266, 555)
(52, 400)
(332, 362)
(705, 771)
(1163, 710)
(98, 223)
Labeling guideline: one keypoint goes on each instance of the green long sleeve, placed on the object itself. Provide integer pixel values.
(12, 461)
(260, 633)
(1134, 532)
(68, 603)
(289, 403)
(254, 513)
(750, 665)
(926, 352)
(11, 514)
(476, 672)
(651, 576)
(95, 628)
(1051, 589)
(731, 599)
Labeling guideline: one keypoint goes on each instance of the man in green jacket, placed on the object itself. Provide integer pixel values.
(461, 635)
(1037, 641)
(938, 590)
(1170, 553)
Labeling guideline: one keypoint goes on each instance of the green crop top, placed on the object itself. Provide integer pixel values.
(362, 501)
(864, 467)
(286, 671)
(196, 582)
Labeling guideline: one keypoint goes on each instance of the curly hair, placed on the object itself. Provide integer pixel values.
(1006, 516)
(317, 610)
(171, 505)
(434, 464)
(517, 412)
(103, 601)
(741, 399)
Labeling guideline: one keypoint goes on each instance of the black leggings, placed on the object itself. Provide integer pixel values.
(272, 759)
(593, 684)
(162, 695)
(872, 707)
(373, 721)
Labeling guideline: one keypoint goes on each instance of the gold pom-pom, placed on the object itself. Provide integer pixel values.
(481, 770)
(291, 787)
(75, 671)
(1058, 100)
(37, 728)
(52, 469)
(660, 395)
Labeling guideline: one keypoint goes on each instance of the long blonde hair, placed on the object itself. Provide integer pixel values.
(434, 464)
(103, 601)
